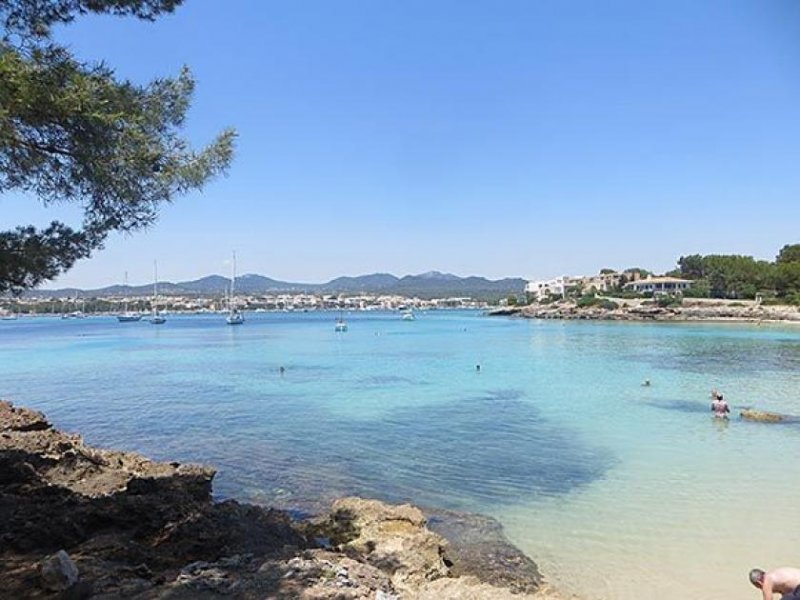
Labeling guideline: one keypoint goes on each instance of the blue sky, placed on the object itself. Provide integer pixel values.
(510, 138)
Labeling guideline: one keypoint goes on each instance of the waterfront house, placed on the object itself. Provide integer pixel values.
(659, 285)
(539, 290)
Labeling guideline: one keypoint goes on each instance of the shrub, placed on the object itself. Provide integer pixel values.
(588, 301)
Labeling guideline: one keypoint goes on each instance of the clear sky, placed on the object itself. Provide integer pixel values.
(512, 138)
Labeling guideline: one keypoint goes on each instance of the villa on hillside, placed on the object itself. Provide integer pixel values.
(539, 290)
(604, 282)
(659, 285)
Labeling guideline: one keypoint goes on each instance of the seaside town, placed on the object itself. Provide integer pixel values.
(70, 307)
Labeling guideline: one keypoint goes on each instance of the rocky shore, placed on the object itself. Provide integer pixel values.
(79, 522)
(616, 309)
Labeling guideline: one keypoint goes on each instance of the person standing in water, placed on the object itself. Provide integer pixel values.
(720, 407)
(785, 581)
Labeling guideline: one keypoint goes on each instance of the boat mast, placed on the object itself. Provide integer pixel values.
(233, 281)
(155, 288)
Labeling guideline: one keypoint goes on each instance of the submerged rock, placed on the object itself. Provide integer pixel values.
(761, 416)
(59, 572)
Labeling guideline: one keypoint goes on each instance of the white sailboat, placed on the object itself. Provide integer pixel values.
(128, 316)
(156, 319)
(235, 317)
(408, 315)
(341, 324)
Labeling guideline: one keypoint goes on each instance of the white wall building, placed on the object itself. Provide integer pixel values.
(659, 285)
(539, 290)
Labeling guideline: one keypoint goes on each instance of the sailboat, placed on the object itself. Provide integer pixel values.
(235, 317)
(408, 315)
(127, 316)
(341, 324)
(156, 319)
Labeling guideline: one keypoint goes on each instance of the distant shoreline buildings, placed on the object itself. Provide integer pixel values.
(252, 302)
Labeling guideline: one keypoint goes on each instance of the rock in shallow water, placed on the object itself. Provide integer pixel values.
(761, 416)
(58, 572)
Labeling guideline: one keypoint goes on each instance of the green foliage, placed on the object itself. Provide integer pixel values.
(667, 301)
(793, 298)
(735, 276)
(790, 253)
(33, 19)
(591, 301)
(641, 272)
(587, 301)
(691, 267)
(512, 300)
(608, 304)
(72, 132)
(607, 271)
(700, 289)
(786, 278)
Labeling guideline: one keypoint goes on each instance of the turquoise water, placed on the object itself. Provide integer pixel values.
(610, 485)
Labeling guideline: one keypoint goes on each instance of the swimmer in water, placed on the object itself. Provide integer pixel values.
(646, 383)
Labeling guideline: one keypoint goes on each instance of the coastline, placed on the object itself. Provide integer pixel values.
(691, 310)
(82, 522)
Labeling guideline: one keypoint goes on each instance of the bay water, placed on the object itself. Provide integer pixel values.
(617, 490)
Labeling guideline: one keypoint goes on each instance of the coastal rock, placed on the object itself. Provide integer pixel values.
(20, 419)
(761, 416)
(59, 572)
(393, 538)
(478, 548)
(135, 528)
(642, 309)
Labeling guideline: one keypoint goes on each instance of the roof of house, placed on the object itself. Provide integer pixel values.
(659, 280)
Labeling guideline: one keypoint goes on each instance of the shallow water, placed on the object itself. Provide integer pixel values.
(614, 488)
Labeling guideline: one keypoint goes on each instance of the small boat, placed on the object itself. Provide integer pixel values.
(129, 317)
(8, 317)
(235, 316)
(341, 325)
(156, 319)
(409, 316)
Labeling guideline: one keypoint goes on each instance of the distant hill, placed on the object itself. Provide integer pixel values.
(364, 283)
(432, 284)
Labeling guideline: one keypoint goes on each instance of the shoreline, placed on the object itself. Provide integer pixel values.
(83, 522)
(690, 311)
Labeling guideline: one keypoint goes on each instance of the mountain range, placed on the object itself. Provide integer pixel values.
(432, 284)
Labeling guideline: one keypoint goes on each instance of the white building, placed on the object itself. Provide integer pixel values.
(539, 290)
(659, 285)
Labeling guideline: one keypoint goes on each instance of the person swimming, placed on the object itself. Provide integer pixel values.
(646, 383)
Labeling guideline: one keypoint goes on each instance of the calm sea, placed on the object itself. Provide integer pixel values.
(619, 491)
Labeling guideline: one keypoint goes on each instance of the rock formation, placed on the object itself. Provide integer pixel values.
(79, 522)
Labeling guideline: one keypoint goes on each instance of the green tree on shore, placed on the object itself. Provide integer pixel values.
(790, 253)
(71, 132)
(736, 276)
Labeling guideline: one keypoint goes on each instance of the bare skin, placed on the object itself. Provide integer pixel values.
(779, 581)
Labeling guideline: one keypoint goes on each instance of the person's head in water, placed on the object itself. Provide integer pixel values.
(757, 577)
(646, 383)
